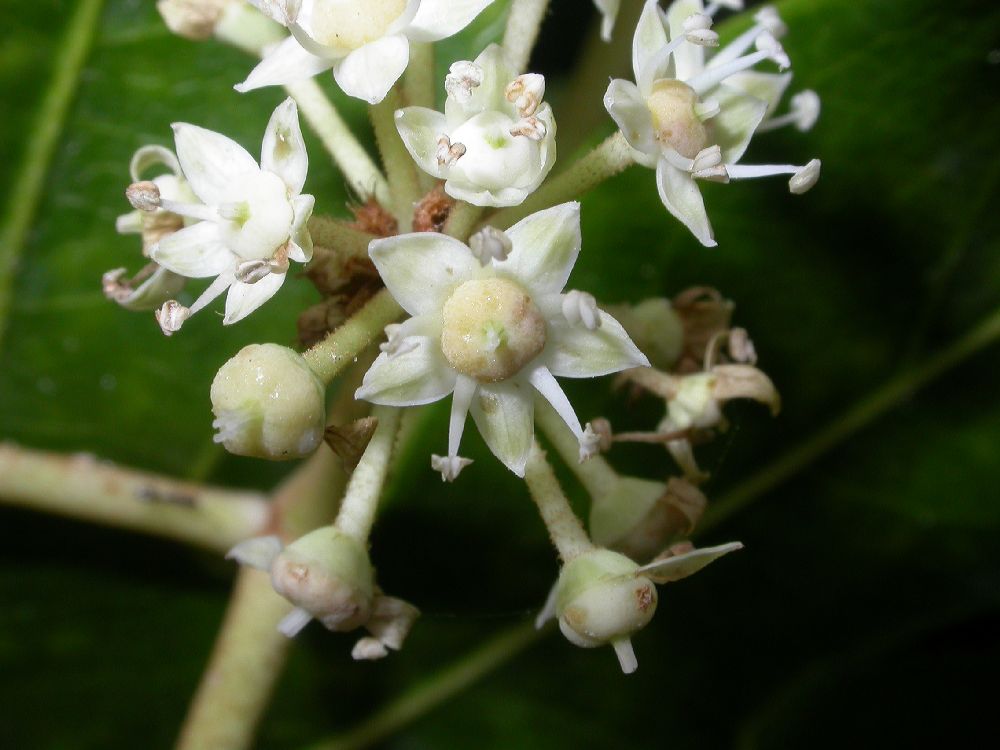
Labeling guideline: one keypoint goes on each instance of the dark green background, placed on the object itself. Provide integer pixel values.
(866, 607)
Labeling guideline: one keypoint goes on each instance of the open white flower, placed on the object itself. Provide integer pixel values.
(691, 119)
(365, 42)
(250, 222)
(495, 143)
(491, 333)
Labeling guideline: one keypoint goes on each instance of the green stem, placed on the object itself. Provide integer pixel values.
(462, 220)
(523, 24)
(595, 474)
(419, 84)
(84, 488)
(331, 355)
(612, 156)
(564, 527)
(42, 139)
(404, 183)
(357, 510)
(339, 236)
(436, 689)
(890, 395)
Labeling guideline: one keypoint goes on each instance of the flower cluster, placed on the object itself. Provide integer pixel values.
(473, 302)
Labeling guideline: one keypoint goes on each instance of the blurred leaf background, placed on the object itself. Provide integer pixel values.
(866, 605)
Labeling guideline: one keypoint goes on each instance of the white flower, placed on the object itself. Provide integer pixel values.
(251, 220)
(492, 335)
(495, 143)
(691, 119)
(365, 42)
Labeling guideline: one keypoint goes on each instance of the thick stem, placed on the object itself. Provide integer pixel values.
(595, 474)
(404, 183)
(612, 156)
(462, 220)
(331, 355)
(339, 236)
(87, 489)
(357, 510)
(523, 24)
(435, 690)
(564, 527)
(244, 28)
(662, 384)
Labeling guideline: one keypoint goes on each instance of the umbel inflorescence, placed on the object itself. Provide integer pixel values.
(453, 273)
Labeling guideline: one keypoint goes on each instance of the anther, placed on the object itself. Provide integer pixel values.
(580, 308)
(698, 30)
(803, 180)
(449, 466)
(530, 127)
(490, 244)
(252, 271)
(171, 316)
(526, 93)
(144, 196)
(448, 153)
(463, 76)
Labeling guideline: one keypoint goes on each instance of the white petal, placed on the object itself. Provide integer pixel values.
(649, 40)
(420, 129)
(258, 552)
(689, 59)
(545, 247)
(573, 351)
(213, 164)
(421, 269)
(680, 194)
(475, 195)
(628, 109)
(768, 87)
(549, 389)
(243, 299)
(217, 287)
(284, 151)
(302, 208)
(417, 376)
(738, 118)
(370, 71)
(681, 566)
(437, 19)
(196, 251)
(504, 414)
(286, 63)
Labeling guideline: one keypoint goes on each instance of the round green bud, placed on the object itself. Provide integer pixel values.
(600, 598)
(328, 574)
(656, 328)
(268, 404)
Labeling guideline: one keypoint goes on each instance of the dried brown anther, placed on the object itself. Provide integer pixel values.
(432, 211)
(373, 218)
(350, 440)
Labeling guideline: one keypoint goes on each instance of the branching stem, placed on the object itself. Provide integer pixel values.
(339, 236)
(357, 510)
(84, 488)
(404, 183)
(523, 24)
(595, 474)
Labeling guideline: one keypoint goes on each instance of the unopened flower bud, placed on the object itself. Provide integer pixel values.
(268, 404)
(329, 575)
(602, 599)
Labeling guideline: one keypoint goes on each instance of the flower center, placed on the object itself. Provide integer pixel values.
(491, 329)
(260, 220)
(494, 159)
(353, 23)
(672, 105)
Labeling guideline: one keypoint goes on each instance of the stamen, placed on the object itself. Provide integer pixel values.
(449, 466)
(252, 271)
(190, 210)
(713, 75)
(530, 127)
(546, 384)
(581, 308)
(698, 30)
(678, 160)
(489, 244)
(171, 316)
(463, 76)
(396, 344)
(447, 152)
(292, 623)
(767, 19)
(803, 180)
(708, 165)
(805, 107)
(526, 93)
(707, 109)
(461, 400)
(803, 177)
(714, 7)
(768, 42)
(144, 196)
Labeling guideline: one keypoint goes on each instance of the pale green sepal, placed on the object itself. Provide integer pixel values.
(504, 416)
(681, 196)
(681, 566)
(420, 128)
(574, 351)
(545, 247)
(738, 118)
